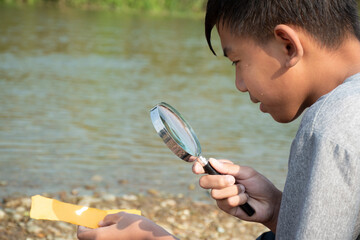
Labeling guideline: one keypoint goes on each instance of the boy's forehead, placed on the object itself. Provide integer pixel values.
(230, 40)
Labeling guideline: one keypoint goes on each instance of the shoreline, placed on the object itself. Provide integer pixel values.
(178, 214)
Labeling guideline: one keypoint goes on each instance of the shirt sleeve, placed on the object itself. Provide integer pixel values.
(321, 198)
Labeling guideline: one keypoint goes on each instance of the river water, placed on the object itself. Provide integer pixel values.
(76, 88)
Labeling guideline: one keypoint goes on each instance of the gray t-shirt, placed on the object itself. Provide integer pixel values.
(321, 198)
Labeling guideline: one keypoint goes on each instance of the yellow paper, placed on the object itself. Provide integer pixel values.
(51, 209)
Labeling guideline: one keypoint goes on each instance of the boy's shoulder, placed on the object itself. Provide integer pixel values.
(336, 115)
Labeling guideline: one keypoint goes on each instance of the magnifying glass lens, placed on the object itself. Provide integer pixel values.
(178, 130)
(181, 139)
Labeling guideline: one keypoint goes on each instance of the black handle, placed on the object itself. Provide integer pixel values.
(245, 207)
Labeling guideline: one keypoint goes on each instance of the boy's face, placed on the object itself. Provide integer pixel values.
(261, 71)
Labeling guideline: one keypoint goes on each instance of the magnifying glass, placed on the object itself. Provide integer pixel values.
(181, 139)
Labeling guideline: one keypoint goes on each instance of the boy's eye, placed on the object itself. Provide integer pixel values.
(234, 63)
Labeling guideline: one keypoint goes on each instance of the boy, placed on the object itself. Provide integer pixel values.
(290, 56)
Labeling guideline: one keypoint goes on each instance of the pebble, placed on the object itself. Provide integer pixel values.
(89, 187)
(168, 203)
(186, 212)
(130, 197)
(13, 203)
(26, 202)
(20, 209)
(180, 215)
(2, 214)
(88, 200)
(191, 186)
(34, 229)
(108, 197)
(97, 178)
(17, 217)
(123, 181)
(55, 231)
(3, 183)
(64, 226)
(75, 192)
(153, 192)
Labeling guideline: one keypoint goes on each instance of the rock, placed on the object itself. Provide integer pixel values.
(12, 203)
(89, 187)
(186, 218)
(64, 226)
(180, 195)
(3, 183)
(130, 197)
(97, 178)
(20, 209)
(55, 231)
(35, 229)
(62, 195)
(26, 202)
(88, 200)
(108, 197)
(168, 203)
(153, 192)
(191, 186)
(170, 220)
(17, 217)
(74, 192)
(2, 214)
(123, 181)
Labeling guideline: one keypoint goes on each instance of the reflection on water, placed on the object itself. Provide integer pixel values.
(76, 88)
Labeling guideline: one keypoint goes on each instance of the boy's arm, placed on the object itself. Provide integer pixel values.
(239, 185)
(125, 226)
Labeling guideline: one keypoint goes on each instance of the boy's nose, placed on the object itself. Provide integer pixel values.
(240, 85)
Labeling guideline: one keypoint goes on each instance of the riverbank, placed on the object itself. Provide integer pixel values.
(180, 215)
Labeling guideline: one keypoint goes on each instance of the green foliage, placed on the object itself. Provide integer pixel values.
(142, 5)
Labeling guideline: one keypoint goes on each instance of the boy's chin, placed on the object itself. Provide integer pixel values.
(283, 118)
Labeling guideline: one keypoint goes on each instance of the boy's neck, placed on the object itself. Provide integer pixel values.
(330, 68)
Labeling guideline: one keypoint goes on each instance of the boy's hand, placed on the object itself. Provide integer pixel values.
(239, 185)
(124, 226)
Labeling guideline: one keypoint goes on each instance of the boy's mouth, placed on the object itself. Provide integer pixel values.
(254, 100)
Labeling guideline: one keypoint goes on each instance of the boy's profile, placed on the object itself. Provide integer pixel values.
(289, 56)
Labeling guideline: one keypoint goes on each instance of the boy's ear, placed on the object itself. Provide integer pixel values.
(289, 38)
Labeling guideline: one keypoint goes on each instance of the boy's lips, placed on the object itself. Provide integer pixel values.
(254, 100)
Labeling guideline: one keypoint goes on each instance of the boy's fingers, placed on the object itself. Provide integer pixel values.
(197, 168)
(111, 219)
(192, 159)
(224, 161)
(232, 169)
(232, 203)
(233, 190)
(84, 233)
(216, 181)
(223, 167)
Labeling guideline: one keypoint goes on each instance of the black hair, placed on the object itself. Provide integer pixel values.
(327, 21)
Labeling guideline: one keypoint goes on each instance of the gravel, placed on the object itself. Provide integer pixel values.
(181, 216)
